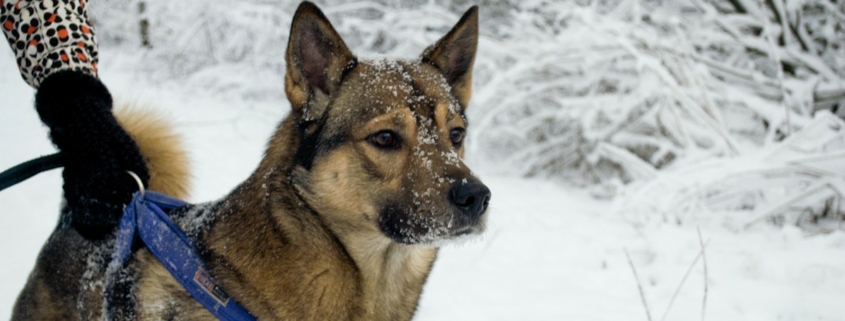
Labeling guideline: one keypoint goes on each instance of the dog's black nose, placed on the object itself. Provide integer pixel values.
(471, 197)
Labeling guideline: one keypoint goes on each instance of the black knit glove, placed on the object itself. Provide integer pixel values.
(97, 152)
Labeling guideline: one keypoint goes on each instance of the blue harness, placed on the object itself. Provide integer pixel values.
(145, 216)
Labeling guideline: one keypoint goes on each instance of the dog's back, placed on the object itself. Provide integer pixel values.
(68, 280)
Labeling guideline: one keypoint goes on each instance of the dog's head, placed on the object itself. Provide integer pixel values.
(381, 142)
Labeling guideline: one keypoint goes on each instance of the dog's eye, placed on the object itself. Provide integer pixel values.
(456, 135)
(385, 139)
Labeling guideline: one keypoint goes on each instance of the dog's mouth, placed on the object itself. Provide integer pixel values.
(469, 231)
(432, 228)
(464, 233)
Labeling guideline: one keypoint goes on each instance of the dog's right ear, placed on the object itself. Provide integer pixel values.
(454, 55)
(316, 60)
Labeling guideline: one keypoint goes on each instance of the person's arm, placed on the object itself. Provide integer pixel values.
(56, 53)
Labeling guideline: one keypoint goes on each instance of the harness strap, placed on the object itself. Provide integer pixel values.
(145, 215)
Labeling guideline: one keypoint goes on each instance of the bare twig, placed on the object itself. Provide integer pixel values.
(774, 54)
(801, 35)
(738, 6)
(144, 25)
(683, 280)
(831, 8)
(639, 285)
(780, 17)
(704, 260)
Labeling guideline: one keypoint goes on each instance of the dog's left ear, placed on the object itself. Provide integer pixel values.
(316, 59)
(454, 55)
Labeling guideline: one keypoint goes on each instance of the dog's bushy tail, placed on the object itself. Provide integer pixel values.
(161, 147)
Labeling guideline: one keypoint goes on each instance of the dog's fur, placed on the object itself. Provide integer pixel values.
(341, 219)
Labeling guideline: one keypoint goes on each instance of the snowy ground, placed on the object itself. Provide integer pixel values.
(551, 252)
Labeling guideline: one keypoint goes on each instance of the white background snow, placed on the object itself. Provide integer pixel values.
(602, 127)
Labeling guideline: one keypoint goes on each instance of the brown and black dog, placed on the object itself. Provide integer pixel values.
(341, 220)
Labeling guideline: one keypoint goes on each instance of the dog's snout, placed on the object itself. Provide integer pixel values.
(471, 197)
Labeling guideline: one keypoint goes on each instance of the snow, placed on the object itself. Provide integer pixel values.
(682, 129)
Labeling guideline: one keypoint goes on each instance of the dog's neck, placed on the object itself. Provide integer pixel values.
(392, 274)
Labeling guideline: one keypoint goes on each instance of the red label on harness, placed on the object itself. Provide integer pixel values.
(209, 287)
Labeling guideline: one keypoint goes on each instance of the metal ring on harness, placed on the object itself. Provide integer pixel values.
(138, 180)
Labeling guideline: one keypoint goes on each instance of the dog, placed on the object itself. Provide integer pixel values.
(342, 219)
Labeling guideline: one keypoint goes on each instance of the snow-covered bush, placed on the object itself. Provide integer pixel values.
(662, 81)
(798, 181)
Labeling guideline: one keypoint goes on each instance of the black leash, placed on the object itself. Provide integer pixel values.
(30, 168)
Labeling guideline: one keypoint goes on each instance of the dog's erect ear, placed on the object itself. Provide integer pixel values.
(454, 55)
(316, 57)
